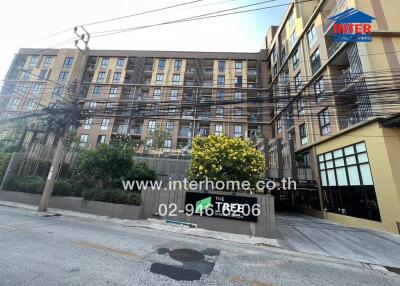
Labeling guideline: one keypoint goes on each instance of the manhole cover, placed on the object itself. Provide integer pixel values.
(186, 255)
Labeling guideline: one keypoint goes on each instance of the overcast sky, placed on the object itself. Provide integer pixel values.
(25, 21)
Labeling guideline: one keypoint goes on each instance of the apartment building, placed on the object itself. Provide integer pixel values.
(331, 102)
(134, 92)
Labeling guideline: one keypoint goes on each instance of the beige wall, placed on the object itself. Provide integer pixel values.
(383, 147)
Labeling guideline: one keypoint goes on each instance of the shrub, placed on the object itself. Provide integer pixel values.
(139, 172)
(4, 160)
(27, 184)
(114, 196)
(69, 188)
(220, 158)
(105, 163)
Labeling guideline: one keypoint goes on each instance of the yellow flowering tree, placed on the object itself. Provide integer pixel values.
(220, 158)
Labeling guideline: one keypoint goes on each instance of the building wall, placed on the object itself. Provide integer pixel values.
(383, 147)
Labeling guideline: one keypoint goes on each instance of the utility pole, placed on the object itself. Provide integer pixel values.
(51, 177)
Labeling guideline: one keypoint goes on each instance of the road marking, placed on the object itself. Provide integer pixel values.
(108, 249)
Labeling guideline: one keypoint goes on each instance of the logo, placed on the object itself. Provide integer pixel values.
(352, 26)
(203, 204)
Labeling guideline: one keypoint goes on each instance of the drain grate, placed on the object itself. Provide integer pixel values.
(186, 255)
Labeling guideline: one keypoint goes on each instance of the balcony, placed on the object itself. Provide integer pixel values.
(254, 117)
(251, 72)
(346, 78)
(204, 115)
(136, 130)
(188, 83)
(185, 132)
(350, 118)
(340, 6)
(208, 70)
(204, 132)
(334, 48)
(120, 129)
(304, 173)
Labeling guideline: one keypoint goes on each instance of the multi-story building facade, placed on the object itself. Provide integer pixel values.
(134, 92)
(327, 110)
(324, 93)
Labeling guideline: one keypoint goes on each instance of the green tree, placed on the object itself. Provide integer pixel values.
(105, 163)
(159, 136)
(220, 158)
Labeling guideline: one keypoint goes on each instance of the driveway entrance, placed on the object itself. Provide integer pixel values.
(312, 235)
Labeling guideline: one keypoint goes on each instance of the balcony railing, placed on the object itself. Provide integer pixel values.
(341, 5)
(350, 118)
(185, 132)
(334, 48)
(251, 72)
(136, 130)
(344, 79)
(304, 174)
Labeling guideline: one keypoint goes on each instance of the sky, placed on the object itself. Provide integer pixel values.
(23, 22)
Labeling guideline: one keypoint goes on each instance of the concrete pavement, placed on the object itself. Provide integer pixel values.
(65, 250)
(312, 235)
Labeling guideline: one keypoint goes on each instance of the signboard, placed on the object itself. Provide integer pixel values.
(222, 206)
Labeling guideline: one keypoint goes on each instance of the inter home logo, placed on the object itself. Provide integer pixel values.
(352, 26)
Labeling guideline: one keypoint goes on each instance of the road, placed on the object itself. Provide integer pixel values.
(65, 250)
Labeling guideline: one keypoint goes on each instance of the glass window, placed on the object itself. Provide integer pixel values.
(87, 124)
(360, 147)
(104, 123)
(152, 125)
(237, 131)
(324, 182)
(341, 176)
(96, 90)
(68, 62)
(297, 82)
(219, 112)
(351, 160)
(218, 129)
(101, 139)
(104, 62)
(312, 36)
(238, 66)
(319, 88)
(362, 158)
(178, 65)
(221, 80)
(324, 122)
(47, 61)
(113, 91)
(117, 77)
(43, 74)
(338, 153)
(331, 177)
(174, 94)
(159, 78)
(63, 77)
(353, 176)
(221, 66)
(315, 61)
(161, 64)
(101, 76)
(120, 63)
(295, 59)
(303, 134)
(366, 175)
(300, 107)
(176, 79)
(349, 150)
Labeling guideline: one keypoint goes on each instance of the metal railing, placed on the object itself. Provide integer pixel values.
(341, 5)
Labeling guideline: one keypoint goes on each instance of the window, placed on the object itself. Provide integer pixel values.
(319, 88)
(291, 20)
(170, 126)
(221, 66)
(31, 104)
(312, 36)
(151, 125)
(315, 62)
(161, 64)
(238, 111)
(237, 131)
(238, 81)
(324, 122)
(279, 125)
(300, 107)
(347, 179)
(238, 95)
(293, 39)
(218, 129)
(62, 78)
(104, 63)
(109, 106)
(177, 65)
(101, 139)
(297, 82)
(26, 76)
(149, 142)
(172, 110)
(117, 77)
(43, 74)
(58, 91)
(68, 62)
(159, 78)
(283, 53)
(96, 90)
(295, 59)
(176, 79)
(33, 61)
(83, 140)
(92, 105)
(157, 93)
(37, 88)
(47, 61)
(15, 103)
(167, 145)
(303, 134)
(221, 80)
(273, 55)
(101, 76)
(219, 112)
(113, 92)
(220, 95)
(22, 87)
(174, 94)
(104, 123)
(87, 124)
(238, 66)
(120, 63)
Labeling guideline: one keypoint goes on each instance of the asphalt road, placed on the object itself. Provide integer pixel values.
(36, 250)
